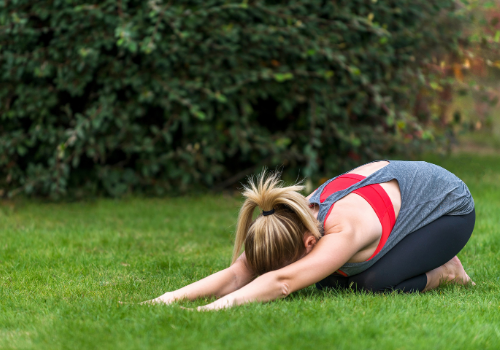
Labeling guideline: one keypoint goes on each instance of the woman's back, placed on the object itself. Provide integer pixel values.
(420, 193)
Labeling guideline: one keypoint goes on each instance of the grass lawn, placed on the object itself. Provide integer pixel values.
(64, 267)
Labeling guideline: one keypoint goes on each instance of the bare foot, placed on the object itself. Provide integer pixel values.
(452, 272)
(456, 273)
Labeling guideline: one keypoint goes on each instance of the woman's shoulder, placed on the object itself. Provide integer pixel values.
(369, 168)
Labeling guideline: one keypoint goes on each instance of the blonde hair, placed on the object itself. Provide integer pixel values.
(273, 241)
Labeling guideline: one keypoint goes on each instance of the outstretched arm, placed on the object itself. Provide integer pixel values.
(329, 254)
(219, 284)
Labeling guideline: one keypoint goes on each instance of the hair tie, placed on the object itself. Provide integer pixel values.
(269, 212)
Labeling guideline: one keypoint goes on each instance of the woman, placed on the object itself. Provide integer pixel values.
(386, 225)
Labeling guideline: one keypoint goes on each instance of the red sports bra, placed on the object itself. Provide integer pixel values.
(374, 194)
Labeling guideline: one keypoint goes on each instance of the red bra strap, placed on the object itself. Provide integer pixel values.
(374, 194)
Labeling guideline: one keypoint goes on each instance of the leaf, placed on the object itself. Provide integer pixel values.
(21, 150)
(132, 46)
(435, 86)
(282, 142)
(355, 70)
(489, 5)
(75, 161)
(281, 77)
(199, 114)
(355, 141)
(84, 51)
(220, 97)
(427, 135)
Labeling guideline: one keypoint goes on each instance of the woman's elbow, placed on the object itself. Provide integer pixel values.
(281, 283)
(285, 289)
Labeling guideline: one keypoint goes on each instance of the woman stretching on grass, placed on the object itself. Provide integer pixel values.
(383, 226)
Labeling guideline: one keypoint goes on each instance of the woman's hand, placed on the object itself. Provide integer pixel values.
(217, 285)
(167, 298)
(223, 303)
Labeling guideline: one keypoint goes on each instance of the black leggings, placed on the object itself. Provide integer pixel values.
(403, 268)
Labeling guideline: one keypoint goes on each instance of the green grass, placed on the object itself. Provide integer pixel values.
(64, 267)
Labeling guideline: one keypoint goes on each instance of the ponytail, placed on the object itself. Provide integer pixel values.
(274, 240)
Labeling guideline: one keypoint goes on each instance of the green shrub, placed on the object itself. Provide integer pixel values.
(156, 96)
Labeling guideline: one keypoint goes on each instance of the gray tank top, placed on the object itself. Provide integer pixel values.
(427, 193)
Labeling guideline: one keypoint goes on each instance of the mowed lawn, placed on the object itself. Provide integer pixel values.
(64, 267)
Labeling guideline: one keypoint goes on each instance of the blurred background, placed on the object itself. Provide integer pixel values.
(172, 97)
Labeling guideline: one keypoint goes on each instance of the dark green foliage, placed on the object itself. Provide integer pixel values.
(160, 96)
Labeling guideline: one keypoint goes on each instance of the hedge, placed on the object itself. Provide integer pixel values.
(160, 97)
